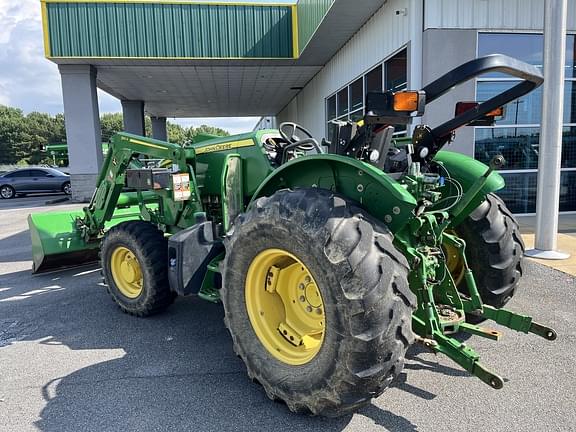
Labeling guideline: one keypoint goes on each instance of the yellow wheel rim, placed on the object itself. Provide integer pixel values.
(285, 306)
(454, 262)
(126, 272)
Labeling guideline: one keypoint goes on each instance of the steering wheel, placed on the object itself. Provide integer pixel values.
(298, 139)
(292, 132)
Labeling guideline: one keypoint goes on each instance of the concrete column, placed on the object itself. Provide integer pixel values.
(159, 131)
(133, 114)
(550, 153)
(83, 133)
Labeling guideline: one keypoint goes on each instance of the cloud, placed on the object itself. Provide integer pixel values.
(27, 79)
(32, 83)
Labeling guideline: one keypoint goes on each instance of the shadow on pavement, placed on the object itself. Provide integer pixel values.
(30, 200)
(174, 371)
(15, 247)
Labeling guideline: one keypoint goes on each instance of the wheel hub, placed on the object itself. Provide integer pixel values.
(126, 272)
(6, 192)
(285, 306)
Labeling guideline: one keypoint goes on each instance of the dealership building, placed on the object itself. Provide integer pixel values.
(307, 61)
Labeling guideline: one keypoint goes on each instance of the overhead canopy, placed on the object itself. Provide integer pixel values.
(201, 59)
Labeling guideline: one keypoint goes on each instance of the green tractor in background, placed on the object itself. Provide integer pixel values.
(330, 260)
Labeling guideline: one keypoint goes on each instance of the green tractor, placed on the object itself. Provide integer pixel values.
(330, 259)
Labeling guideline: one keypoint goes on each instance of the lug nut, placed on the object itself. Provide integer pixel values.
(302, 298)
(319, 311)
(307, 279)
(301, 286)
(308, 308)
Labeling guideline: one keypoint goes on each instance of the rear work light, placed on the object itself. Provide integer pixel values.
(487, 120)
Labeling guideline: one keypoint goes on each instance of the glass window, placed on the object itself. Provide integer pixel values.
(519, 194)
(570, 102)
(568, 191)
(348, 103)
(331, 107)
(357, 115)
(330, 131)
(519, 146)
(22, 173)
(342, 102)
(526, 47)
(526, 110)
(571, 56)
(374, 80)
(38, 173)
(520, 191)
(357, 94)
(397, 72)
(569, 147)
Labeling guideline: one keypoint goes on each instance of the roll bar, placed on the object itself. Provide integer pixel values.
(531, 76)
(434, 139)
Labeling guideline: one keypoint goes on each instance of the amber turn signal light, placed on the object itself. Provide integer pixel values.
(406, 101)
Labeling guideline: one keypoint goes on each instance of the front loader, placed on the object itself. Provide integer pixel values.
(330, 259)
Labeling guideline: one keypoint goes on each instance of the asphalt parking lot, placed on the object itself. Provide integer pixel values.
(71, 361)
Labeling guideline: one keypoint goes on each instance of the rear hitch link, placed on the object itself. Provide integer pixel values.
(437, 292)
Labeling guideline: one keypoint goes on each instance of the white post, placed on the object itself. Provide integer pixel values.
(416, 13)
(550, 153)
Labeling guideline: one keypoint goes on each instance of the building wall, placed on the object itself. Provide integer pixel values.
(443, 51)
(490, 14)
(450, 38)
(379, 38)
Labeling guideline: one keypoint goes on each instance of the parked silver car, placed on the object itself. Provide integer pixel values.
(32, 180)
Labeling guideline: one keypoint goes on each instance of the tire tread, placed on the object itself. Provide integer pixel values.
(379, 303)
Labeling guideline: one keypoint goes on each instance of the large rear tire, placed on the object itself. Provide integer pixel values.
(134, 258)
(341, 267)
(494, 251)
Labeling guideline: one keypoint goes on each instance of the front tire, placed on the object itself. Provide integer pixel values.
(134, 257)
(360, 288)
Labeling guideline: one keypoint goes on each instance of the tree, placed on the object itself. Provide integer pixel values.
(11, 133)
(176, 133)
(192, 132)
(40, 129)
(110, 124)
(23, 137)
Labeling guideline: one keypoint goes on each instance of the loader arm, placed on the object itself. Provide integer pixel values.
(121, 156)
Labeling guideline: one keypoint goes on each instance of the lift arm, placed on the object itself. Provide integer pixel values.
(122, 155)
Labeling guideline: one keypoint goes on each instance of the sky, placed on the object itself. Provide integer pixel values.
(30, 82)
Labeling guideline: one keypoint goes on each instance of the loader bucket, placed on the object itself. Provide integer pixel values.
(57, 244)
